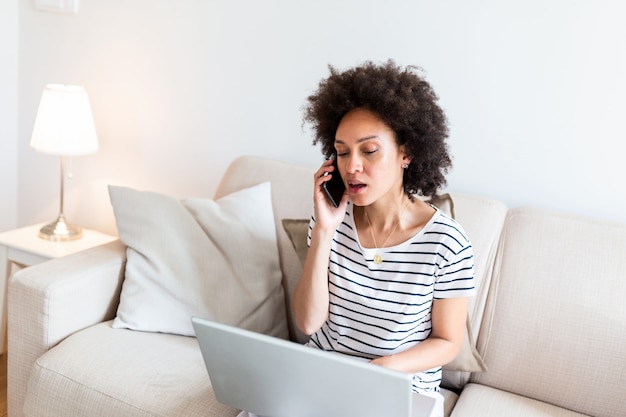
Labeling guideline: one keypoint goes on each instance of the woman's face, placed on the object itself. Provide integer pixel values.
(369, 158)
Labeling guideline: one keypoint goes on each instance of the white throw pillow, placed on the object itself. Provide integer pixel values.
(199, 257)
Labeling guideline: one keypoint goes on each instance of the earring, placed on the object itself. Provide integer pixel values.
(405, 165)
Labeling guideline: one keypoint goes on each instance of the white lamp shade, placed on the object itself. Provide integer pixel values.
(64, 123)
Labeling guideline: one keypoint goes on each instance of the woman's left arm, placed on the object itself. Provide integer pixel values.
(441, 347)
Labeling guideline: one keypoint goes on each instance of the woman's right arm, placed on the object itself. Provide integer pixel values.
(310, 299)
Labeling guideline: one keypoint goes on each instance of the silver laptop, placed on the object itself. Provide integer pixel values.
(272, 377)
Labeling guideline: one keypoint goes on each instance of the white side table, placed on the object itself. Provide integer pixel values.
(24, 247)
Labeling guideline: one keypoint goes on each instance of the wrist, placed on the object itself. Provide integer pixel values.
(322, 233)
(391, 362)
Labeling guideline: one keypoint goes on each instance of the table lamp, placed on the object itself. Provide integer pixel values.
(64, 126)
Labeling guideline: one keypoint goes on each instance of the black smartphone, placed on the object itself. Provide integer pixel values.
(334, 187)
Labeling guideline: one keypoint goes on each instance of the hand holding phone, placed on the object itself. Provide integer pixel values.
(334, 187)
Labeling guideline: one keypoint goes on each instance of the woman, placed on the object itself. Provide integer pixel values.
(387, 276)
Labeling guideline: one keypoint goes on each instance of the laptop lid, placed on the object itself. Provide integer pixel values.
(272, 377)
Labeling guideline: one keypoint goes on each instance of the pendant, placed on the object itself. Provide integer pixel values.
(378, 259)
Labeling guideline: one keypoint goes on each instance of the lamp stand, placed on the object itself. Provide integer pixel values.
(60, 229)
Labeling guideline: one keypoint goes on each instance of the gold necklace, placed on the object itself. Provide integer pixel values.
(378, 259)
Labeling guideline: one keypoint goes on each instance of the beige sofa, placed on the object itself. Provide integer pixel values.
(549, 319)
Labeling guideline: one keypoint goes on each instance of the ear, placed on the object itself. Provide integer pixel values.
(406, 159)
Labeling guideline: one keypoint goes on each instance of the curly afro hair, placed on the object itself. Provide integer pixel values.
(403, 100)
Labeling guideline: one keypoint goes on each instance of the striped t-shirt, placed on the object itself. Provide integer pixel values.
(378, 310)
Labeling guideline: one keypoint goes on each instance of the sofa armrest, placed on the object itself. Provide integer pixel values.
(52, 300)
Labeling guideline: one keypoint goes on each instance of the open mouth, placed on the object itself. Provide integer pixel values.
(356, 187)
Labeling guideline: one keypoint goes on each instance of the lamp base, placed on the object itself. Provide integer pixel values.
(60, 230)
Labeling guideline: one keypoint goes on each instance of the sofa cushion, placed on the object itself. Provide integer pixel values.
(482, 218)
(449, 400)
(162, 374)
(297, 230)
(483, 401)
(199, 257)
(556, 312)
(468, 359)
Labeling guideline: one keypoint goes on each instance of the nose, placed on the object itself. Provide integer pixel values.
(354, 164)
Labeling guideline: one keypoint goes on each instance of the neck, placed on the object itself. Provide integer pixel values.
(384, 223)
(384, 215)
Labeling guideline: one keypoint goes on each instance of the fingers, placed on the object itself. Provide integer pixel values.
(326, 168)
(322, 174)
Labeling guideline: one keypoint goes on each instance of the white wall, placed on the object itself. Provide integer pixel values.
(8, 114)
(534, 90)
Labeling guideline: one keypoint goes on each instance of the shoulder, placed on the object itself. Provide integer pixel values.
(448, 231)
